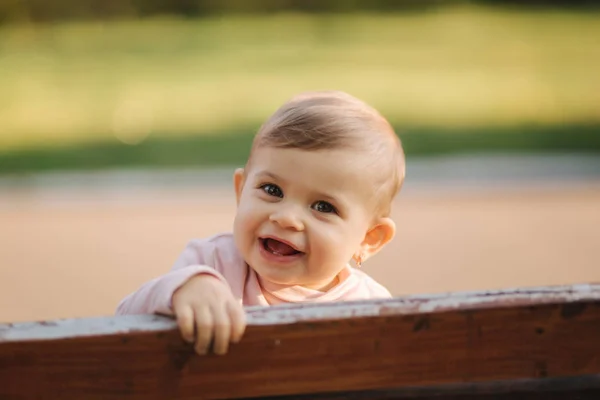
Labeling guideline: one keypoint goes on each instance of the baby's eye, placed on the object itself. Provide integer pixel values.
(324, 207)
(272, 190)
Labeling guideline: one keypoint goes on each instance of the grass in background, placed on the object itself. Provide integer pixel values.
(232, 148)
(475, 71)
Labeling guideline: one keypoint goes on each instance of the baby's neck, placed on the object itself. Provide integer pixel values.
(321, 288)
(334, 282)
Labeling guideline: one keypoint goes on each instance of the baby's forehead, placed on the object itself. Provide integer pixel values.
(343, 171)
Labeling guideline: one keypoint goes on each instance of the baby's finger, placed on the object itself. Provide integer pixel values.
(222, 330)
(185, 321)
(238, 321)
(204, 329)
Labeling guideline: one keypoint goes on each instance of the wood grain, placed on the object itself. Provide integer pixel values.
(392, 345)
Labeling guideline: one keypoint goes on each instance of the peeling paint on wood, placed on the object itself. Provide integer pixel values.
(570, 296)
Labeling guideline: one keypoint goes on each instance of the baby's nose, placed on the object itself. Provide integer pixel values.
(287, 220)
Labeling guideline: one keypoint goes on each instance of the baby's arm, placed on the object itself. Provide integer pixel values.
(197, 295)
(155, 296)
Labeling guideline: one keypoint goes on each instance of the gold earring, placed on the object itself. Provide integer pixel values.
(359, 260)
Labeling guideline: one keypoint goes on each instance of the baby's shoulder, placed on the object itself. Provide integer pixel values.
(222, 245)
(215, 242)
(213, 250)
(375, 289)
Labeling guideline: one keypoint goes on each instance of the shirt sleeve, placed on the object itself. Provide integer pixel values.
(378, 291)
(154, 297)
(375, 290)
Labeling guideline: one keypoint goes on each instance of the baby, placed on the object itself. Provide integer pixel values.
(316, 192)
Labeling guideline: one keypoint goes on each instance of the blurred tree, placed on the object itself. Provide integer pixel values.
(45, 10)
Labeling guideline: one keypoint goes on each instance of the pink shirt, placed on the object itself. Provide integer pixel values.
(218, 256)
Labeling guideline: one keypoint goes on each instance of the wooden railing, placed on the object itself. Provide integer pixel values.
(541, 343)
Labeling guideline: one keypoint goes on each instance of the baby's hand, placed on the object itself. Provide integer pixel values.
(205, 306)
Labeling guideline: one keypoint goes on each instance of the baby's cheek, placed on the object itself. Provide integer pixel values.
(247, 213)
(351, 241)
(252, 221)
(245, 223)
(331, 242)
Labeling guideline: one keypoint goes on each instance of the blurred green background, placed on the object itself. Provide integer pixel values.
(96, 84)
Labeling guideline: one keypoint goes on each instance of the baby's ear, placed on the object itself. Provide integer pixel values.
(238, 183)
(380, 234)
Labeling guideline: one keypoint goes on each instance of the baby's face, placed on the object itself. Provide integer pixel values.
(302, 215)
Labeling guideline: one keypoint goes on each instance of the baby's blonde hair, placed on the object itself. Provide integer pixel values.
(328, 120)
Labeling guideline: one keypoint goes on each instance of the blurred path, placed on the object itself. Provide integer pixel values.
(479, 171)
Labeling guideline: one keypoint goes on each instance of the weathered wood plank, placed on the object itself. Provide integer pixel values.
(294, 313)
(531, 335)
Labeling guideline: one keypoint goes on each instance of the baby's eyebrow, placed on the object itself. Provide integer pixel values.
(329, 198)
(268, 174)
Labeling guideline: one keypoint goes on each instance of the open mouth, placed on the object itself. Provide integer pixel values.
(279, 248)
